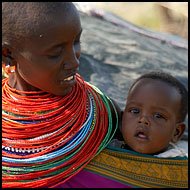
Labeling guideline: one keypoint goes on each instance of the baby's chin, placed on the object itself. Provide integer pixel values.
(142, 150)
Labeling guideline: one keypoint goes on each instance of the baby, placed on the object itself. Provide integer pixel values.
(154, 115)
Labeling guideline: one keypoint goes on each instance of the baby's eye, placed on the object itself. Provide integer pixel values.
(159, 116)
(134, 111)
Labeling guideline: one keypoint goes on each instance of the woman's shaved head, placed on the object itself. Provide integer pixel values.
(25, 19)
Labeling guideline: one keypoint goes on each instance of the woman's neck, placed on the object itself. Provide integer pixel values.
(16, 82)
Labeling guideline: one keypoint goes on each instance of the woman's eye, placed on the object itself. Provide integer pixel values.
(78, 42)
(159, 116)
(134, 111)
(54, 56)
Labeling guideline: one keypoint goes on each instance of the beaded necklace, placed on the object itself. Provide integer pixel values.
(46, 139)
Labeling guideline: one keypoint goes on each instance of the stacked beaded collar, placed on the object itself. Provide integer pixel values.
(47, 139)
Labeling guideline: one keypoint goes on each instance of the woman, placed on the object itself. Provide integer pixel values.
(54, 123)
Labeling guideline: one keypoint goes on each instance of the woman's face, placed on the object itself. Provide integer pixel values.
(50, 60)
(150, 116)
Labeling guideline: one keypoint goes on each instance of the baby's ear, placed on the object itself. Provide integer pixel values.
(179, 130)
(122, 114)
(120, 120)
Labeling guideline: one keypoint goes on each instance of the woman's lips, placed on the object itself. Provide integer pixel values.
(68, 80)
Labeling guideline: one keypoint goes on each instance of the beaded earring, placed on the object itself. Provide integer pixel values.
(9, 69)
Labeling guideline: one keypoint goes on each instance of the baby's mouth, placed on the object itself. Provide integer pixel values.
(141, 134)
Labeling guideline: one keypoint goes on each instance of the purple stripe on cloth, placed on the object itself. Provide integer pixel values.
(86, 179)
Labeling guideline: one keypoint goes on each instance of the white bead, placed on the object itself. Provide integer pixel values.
(38, 149)
(19, 150)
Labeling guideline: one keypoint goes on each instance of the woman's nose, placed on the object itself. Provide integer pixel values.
(72, 61)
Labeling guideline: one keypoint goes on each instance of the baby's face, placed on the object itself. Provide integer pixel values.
(50, 60)
(150, 116)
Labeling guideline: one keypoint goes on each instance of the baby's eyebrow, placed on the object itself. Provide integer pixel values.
(133, 103)
(161, 109)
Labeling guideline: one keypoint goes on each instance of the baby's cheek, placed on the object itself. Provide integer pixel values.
(126, 132)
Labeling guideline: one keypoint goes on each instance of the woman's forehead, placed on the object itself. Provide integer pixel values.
(70, 18)
(59, 29)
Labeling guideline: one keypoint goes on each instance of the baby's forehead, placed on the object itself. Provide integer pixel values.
(158, 83)
(153, 88)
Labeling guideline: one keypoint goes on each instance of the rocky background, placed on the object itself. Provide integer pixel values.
(114, 56)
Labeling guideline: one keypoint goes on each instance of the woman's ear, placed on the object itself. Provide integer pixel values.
(179, 130)
(7, 54)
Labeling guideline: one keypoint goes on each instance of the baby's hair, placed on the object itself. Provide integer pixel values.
(20, 19)
(172, 81)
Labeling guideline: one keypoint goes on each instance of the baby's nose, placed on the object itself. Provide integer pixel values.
(144, 120)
